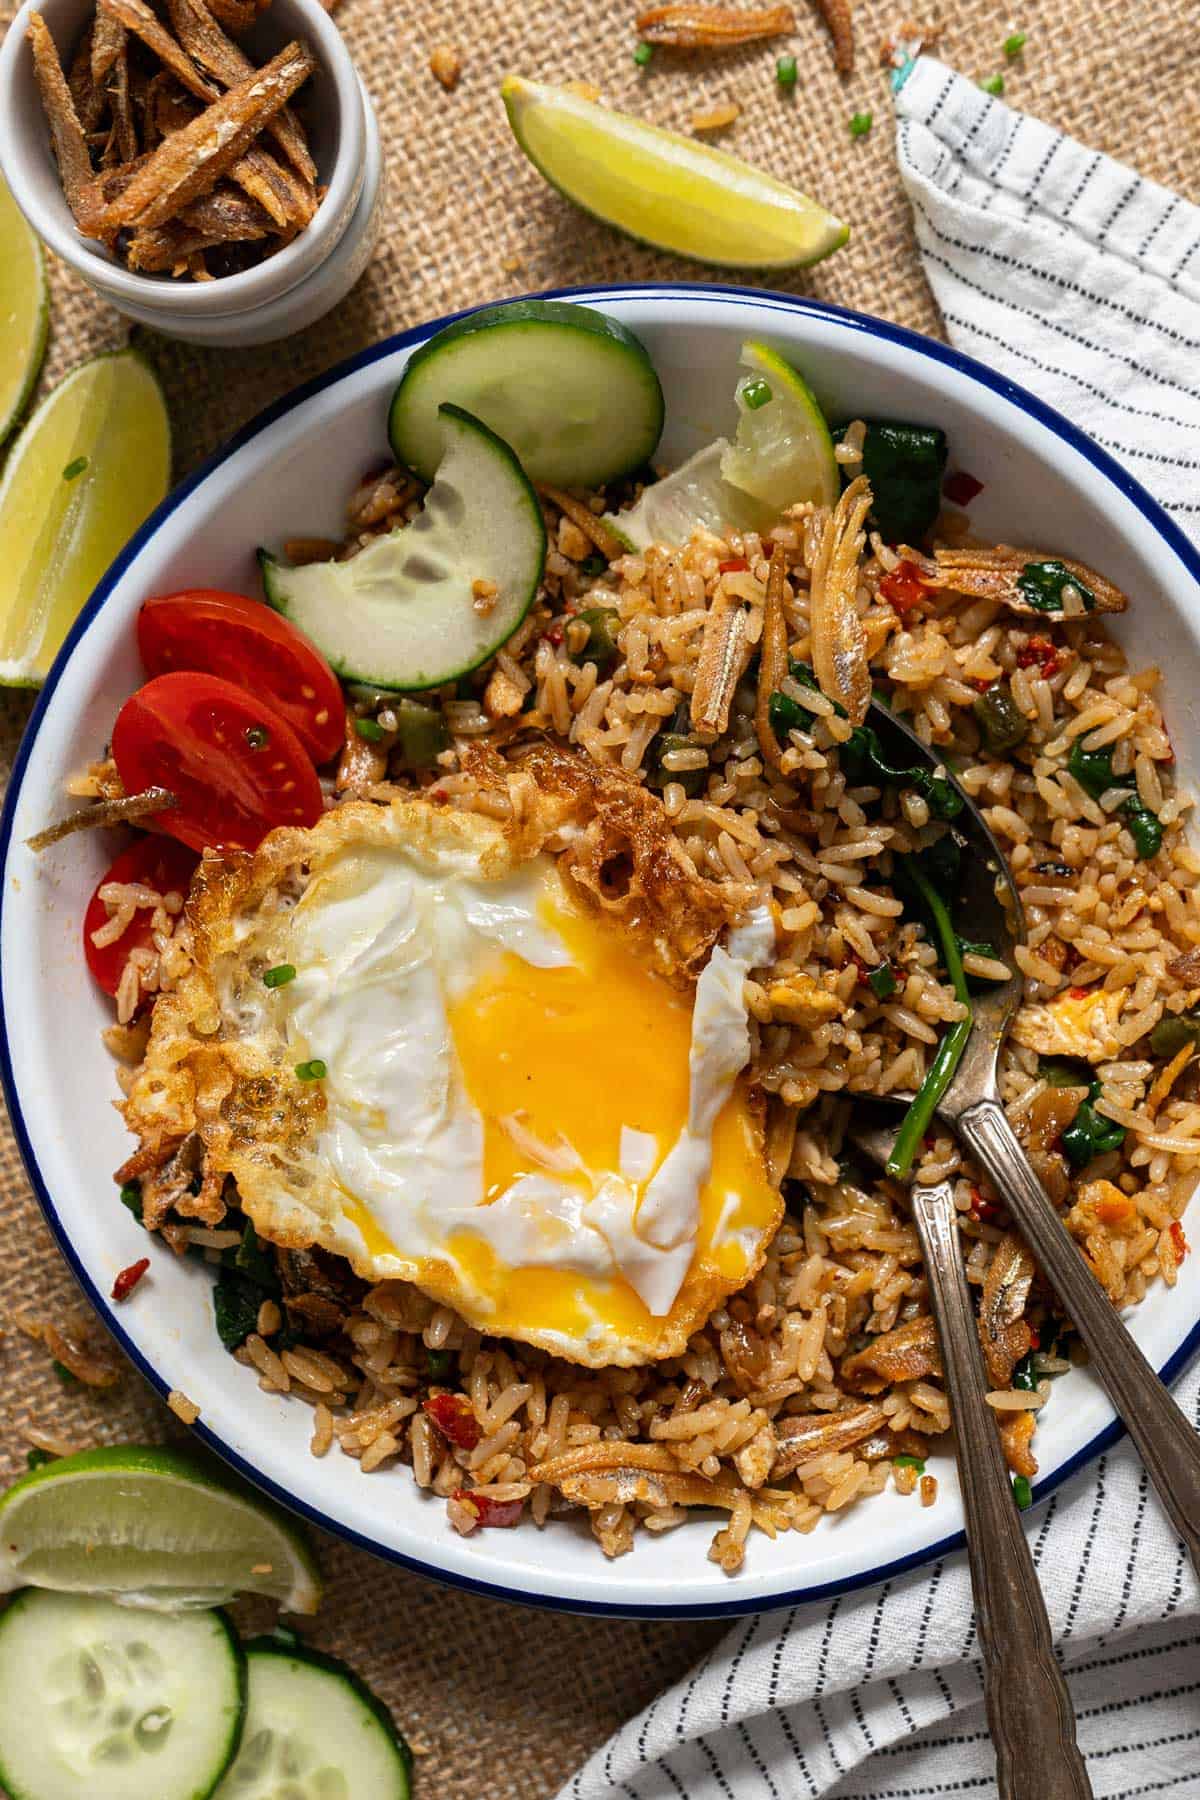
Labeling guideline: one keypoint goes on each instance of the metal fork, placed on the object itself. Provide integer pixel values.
(1029, 1709)
(1165, 1439)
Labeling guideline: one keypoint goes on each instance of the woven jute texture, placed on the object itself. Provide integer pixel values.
(503, 1701)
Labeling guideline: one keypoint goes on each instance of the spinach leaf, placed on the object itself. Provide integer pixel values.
(1042, 584)
(1093, 771)
(904, 465)
(1090, 1134)
(236, 1300)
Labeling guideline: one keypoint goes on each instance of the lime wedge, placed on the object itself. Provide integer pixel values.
(693, 497)
(24, 310)
(783, 452)
(667, 190)
(91, 463)
(151, 1527)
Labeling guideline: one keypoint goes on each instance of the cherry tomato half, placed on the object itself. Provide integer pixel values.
(236, 768)
(156, 862)
(243, 641)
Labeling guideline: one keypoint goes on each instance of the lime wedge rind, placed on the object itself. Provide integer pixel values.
(24, 311)
(89, 466)
(664, 189)
(152, 1527)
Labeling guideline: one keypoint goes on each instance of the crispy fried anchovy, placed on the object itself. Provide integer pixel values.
(192, 160)
(685, 27)
(836, 14)
(773, 657)
(208, 46)
(70, 149)
(125, 811)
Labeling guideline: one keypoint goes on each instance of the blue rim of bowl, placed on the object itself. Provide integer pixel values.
(715, 293)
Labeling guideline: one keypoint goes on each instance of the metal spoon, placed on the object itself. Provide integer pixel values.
(1166, 1441)
(1029, 1709)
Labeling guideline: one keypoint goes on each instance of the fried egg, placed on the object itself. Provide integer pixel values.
(1073, 1024)
(476, 1081)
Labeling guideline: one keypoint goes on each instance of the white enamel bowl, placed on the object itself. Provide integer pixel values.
(292, 470)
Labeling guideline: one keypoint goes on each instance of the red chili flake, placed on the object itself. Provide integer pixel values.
(128, 1279)
(733, 567)
(1041, 651)
(981, 1208)
(980, 685)
(491, 1512)
(1078, 993)
(903, 588)
(960, 488)
(1035, 1338)
(455, 1419)
(555, 637)
(1179, 1240)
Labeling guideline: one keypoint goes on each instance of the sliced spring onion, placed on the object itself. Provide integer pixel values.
(1015, 43)
(786, 71)
(1022, 1492)
(909, 1462)
(757, 393)
(949, 1052)
(280, 975)
(311, 1071)
(642, 54)
(370, 729)
(994, 84)
(860, 124)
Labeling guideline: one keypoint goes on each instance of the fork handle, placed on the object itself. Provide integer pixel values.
(1166, 1441)
(1029, 1709)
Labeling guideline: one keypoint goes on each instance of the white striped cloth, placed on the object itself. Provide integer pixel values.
(1067, 272)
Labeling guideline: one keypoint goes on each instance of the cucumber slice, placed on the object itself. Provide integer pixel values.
(782, 454)
(314, 1731)
(401, 614)
(573, 392)
(117, 1705)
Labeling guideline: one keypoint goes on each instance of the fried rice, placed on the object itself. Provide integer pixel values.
(802, 1391)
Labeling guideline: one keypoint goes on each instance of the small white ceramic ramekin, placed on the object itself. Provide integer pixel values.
(280, 295)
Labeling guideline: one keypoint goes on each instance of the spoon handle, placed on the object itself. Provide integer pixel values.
(1166, 1441)
(1029, 1709)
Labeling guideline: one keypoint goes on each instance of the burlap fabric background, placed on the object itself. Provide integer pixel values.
(503, 1701)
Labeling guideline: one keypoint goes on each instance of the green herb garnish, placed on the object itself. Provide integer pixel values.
(860, 124)
(1042, 584)
(757, 393)
(37, 1459)
(642, 54)
(786, 72)
(280, 975)
(1015, 43)
(909, 1462)
(993, 84)
(954, 1041)
(1022, 1492)
(370, 729)
(882, 981)
(864, 763)
(311, 1071)
(75, 468)
(131, 1197)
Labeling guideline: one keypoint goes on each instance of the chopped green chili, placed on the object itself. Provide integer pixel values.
(1022, 1492)
(75, 468)
(1173, 1031)
(909, 1462)
(1042, 584)
(370, 729)
(757, 393)
(786, 71)
(311, 1071)
(421, 734)
(642, 54)
(882, 981)
(1015, 43)
(600, 646)
(37, 1459)
(280, 975)
(993, 84)
(1003, 725)
(860, 124)
(954, 1041)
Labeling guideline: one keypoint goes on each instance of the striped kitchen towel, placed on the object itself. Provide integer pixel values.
(1067, 272)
